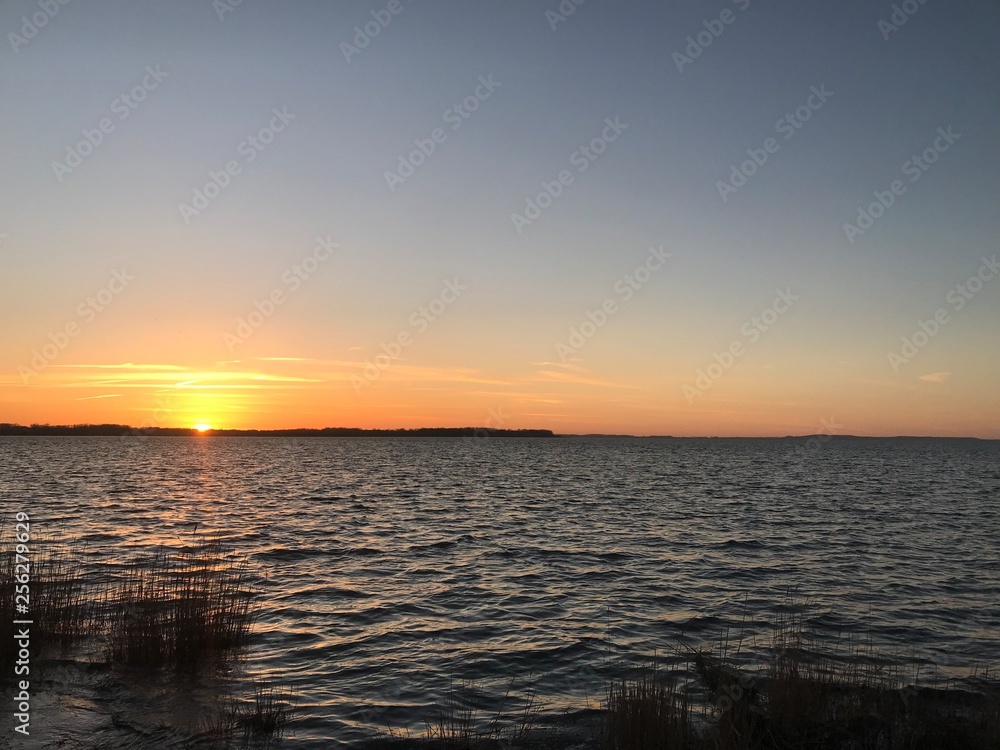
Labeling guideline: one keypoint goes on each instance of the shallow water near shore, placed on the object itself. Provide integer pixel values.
(389, 567)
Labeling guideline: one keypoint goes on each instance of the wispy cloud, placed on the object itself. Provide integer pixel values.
(935, 377)
(124, 366)
(422, 373)
(571, 365)
(549, 376)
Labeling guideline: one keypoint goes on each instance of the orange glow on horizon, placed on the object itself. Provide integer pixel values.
(565, 397)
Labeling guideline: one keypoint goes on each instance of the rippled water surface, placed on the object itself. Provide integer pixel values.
(390, 565)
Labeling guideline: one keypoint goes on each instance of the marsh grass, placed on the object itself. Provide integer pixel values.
(187, 610)
(456, 721)
(851, 698)
(526, 719)
(255, 722)
(460, 722)
(258, 722)
(805, 695)
(181, 609)
(268, 713)
(649, 711)
(7, 592)
(61, 606)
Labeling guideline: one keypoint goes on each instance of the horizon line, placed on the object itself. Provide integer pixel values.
(483, 431)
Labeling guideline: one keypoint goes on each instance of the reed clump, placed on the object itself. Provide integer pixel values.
(802, 698)
(648, 711)
(255, 723)
(455, 725)
(42, 584)
(799, 704)
(461, 722)
(801, 695)
(185, 609)
(180, 609)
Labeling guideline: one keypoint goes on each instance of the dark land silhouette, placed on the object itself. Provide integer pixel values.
(116, 430)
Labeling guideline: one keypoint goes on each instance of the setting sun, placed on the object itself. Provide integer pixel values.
(202, 427)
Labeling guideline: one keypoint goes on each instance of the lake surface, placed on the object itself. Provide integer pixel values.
(389, 566)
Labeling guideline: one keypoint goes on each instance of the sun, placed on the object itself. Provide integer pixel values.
(202, 427)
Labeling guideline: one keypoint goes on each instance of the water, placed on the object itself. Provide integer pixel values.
(390, 566)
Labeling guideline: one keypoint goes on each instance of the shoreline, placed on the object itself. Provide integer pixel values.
(8, 429)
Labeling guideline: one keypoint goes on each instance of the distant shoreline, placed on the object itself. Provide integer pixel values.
(119, 430)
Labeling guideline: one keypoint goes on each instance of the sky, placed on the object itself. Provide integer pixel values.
(711, 218)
